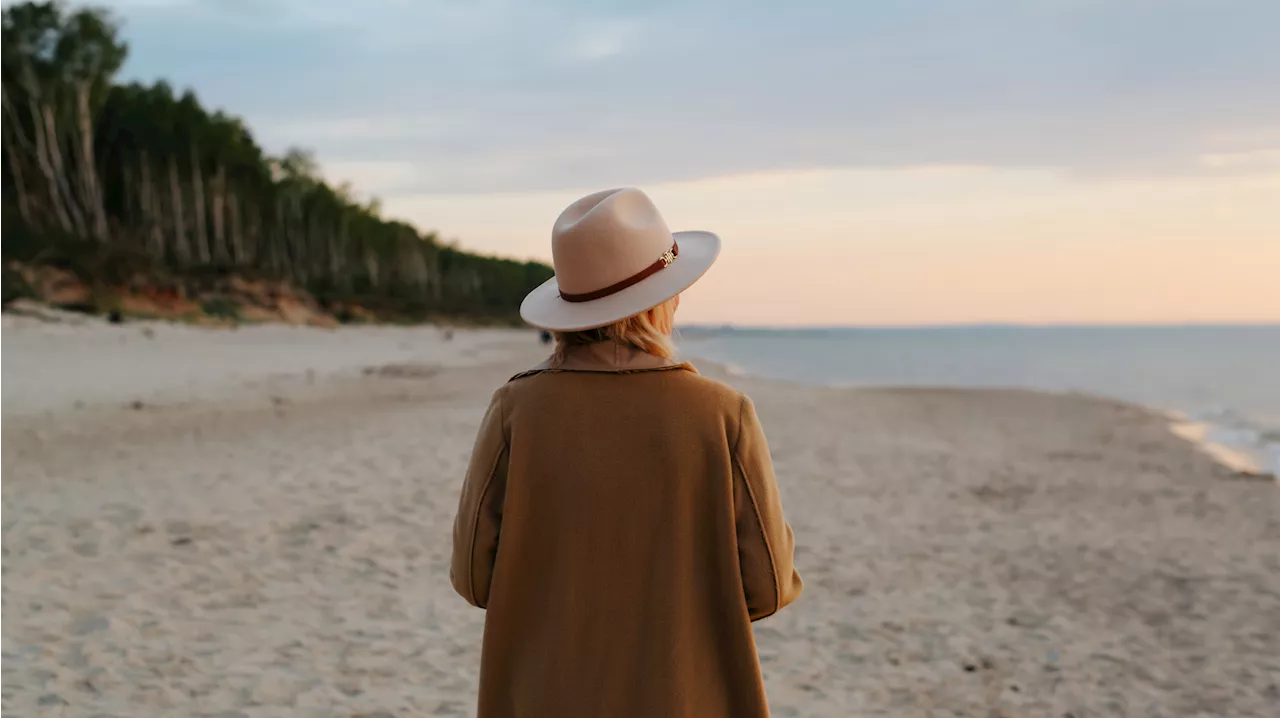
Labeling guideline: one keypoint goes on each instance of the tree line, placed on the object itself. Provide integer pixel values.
(146, 171)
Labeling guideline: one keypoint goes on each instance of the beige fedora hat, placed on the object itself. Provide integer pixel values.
(614, 258)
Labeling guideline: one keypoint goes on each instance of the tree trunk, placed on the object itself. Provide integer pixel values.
(295, 236)
(182, 250)
(151, 215)
(371, 266)
(197, 186)
(145, 212)
(254, 242)
(41, 144)
(46, 167)
(419, 269)
(219, 203)
(337, 255)
(312, 247)
(437, 277)
(237, 239)
(128, 216)
(54, 146)
(19, 186)
(88, 166)
(280, 249)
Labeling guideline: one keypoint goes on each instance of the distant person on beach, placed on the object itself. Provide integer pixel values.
(620, 520)
(544, 336)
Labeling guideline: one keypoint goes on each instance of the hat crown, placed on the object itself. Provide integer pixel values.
(605, 238)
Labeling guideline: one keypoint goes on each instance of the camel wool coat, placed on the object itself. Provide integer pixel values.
(621, 524)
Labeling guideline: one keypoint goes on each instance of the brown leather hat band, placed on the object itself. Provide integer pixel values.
(663, 262)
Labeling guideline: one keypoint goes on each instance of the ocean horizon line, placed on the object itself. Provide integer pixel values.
(729, 326)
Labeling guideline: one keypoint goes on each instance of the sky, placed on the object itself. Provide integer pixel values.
(866, 163)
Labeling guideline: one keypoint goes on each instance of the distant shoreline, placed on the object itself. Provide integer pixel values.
(1217, 376)
(702, 329)
(1195, 433)
(202, 364)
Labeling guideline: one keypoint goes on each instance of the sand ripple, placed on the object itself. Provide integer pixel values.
(285, 553)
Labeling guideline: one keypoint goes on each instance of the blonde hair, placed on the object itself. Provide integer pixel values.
(649, 331)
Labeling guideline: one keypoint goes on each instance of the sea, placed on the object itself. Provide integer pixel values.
(1225, 378)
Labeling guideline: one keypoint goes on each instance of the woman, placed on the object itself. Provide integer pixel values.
(620, 520)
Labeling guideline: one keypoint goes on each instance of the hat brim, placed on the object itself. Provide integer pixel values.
(544, 309)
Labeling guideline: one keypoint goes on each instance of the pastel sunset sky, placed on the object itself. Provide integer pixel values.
(869, 163)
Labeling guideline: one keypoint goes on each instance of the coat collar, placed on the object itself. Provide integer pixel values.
(608, 357)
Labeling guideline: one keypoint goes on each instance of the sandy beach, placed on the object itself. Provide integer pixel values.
(256, 522)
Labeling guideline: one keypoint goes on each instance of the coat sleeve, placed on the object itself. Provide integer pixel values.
(479, 519)
(766, 543)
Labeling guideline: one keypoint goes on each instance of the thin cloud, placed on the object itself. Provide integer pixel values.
(503, 96)
(597, 40)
